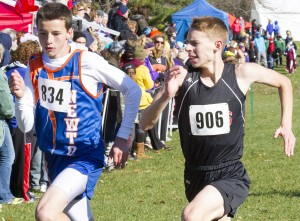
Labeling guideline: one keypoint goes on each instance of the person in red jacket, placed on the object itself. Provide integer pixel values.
(270, 52)
(236, 29)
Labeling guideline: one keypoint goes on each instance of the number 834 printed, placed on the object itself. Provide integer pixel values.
(54, 95)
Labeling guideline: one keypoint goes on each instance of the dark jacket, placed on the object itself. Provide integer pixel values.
(119, 23)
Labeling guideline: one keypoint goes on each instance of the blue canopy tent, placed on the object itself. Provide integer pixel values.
(198, 8)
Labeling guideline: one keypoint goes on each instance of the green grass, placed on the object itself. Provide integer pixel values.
(152, 189)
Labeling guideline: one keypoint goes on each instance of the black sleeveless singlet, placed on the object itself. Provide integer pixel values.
(217, 145)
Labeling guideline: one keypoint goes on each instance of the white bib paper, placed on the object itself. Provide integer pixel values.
(211, 119)
(54, 95)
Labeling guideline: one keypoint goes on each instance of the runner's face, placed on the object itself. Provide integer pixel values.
(54, 37)
(200, 48)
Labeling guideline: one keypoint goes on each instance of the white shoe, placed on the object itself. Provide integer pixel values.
(43, 187)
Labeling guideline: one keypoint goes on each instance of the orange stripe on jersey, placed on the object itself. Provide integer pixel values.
(63, 65)
(79, 71)
(50, 75)
(36, 64)
(53, 120)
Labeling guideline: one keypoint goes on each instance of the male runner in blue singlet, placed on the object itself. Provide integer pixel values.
(63, 94)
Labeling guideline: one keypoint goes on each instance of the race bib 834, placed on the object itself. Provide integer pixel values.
(54, 95)
(211, 119)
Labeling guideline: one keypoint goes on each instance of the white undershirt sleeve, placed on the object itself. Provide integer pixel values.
(25, 106)
(95, 69)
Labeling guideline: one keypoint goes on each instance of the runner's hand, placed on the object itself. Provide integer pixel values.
(119, 152)
(16, 84)
(289, 139)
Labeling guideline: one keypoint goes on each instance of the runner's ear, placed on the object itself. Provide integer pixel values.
(218, 45)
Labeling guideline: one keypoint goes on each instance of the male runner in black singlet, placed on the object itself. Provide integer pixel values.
(210, 106)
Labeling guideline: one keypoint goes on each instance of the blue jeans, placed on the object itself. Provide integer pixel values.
(38, 173)
(7, 156)
(270, 61)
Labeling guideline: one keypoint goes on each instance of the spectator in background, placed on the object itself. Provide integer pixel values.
(230, 55)
(157, 60)
(244, 51)
(99, 17)
(119, 23)
(261, 31)
(80, 38)
(270, 53)
(254, 28)
(171, 29)
(20, 58)
(290, 58)
(259, 43)
(161, 63)
(172, 40)
(105, 20)
(114, 9)
(133, 26)
(7, 154)
(13, 34)
(236, 29)
(127, 56)
(242, 24)
(276, 29)
(253, 52)
(279, 49)
(143, 79)
(181, 57)
(79, 11)
(88, 8)
(149, 47)
(288, 37)
(270, 28)
(294, 44)
(6, 42)
(91, 41)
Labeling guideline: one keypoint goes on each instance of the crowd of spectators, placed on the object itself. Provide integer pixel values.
(263, 46)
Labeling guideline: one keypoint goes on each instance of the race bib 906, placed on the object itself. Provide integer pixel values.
(211, 119)
(54, 95)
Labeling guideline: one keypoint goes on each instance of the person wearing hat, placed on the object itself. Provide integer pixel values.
(114, 9)
(171, 29)
(91, 42)
(119, 23)
(129, 48)
(99, 16)
(144, 80)
(79, 37)
(6, 41)
(129, 69)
